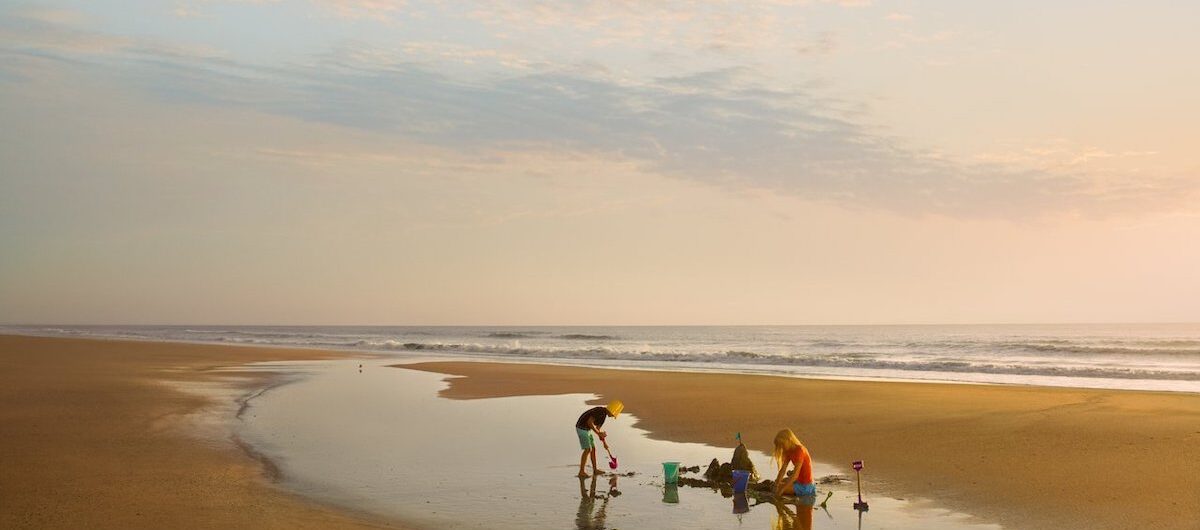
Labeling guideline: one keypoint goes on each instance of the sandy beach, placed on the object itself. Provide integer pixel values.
(98, 433)
(1026, 457)
(92, 436)
(359, 263)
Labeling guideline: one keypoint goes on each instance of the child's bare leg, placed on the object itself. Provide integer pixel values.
(595, 470)
(582, 461)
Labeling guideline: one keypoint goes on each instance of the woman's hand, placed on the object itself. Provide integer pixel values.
(780, 487)
(779, 483)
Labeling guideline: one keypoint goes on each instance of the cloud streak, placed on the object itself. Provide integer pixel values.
(723, 127)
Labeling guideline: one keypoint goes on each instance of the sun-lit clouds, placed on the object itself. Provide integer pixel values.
(592, 162)
(201, 9)
(1061, 153)
(718, 27)
(380, 10)
(35, 33)
(727, 127)
(909, 39)
(824, 44)
(32, 28)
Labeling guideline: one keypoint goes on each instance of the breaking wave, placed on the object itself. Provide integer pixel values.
(998, 353)
(515, 334)
(856, 360)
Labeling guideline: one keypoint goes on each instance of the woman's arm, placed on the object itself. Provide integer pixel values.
(780, 488)
(779, 478)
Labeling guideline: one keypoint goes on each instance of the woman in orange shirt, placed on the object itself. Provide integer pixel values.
(789, 450)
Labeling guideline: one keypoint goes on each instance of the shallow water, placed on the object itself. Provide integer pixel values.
(381, 441)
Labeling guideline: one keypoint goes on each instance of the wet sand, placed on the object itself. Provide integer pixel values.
(93, 436)
(1025, 457)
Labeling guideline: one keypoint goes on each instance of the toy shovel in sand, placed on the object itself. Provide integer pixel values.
(861, 505)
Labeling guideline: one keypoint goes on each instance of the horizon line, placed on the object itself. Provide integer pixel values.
(896, 324)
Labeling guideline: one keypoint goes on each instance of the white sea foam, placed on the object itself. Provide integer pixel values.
(1146, 356)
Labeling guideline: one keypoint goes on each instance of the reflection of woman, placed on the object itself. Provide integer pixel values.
(789, 451)
(786, 520)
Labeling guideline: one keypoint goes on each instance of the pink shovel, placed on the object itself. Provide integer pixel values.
(612, 460)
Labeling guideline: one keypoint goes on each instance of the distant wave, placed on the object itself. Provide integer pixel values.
(1182, 347)
(515, 334)
(856, 360)
(1106, 356)
(284, 335)
(540, 334)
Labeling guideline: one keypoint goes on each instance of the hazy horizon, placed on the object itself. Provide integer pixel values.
(535, 326)
(823, 162)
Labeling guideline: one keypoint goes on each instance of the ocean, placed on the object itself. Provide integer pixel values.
(1163, 357)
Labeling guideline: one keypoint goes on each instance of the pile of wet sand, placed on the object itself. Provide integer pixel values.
(718, 476)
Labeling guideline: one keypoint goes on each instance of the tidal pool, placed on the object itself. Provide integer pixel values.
(381, 441)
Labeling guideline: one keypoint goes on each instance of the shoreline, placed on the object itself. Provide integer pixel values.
(1022, 456)
(933, 440)
(108, 434)
(675, 366)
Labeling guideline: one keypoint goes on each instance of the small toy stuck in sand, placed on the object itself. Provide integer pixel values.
(861, 505)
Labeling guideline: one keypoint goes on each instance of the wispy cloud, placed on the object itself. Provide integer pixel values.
(725, 127)
(718, 27)
(381, 10)
(824, 44)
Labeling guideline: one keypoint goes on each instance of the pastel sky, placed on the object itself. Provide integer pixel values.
(598, 162)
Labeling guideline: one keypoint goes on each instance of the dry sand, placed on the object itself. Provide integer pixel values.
(1026, 457)
(92, 437)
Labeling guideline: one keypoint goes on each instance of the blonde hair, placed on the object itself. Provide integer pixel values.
(785, 441)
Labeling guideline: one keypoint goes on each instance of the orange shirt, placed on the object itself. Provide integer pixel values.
(800, 457)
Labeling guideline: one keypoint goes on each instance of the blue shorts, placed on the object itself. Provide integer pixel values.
(585, 439)
(804, 490)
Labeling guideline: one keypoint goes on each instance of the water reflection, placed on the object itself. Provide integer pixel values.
(589, 517)
(335, 435)
(671, 494)
(787, 518)
(740, 503)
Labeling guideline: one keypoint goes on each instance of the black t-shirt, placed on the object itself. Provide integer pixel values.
(597, 414)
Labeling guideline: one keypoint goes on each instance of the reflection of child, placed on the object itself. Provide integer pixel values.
(789, 450)
(584, 518)
(786, 520)
(591, 421)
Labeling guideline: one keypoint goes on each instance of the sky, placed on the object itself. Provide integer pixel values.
(574, 162)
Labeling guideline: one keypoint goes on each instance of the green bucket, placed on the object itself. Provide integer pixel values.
(671, 472)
